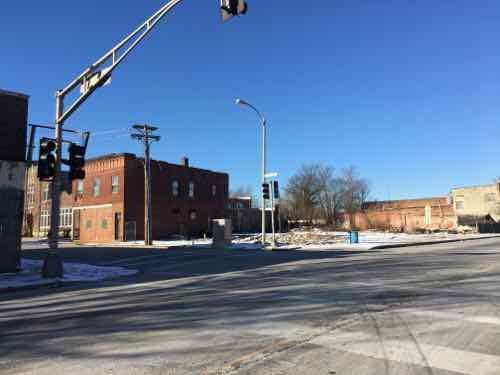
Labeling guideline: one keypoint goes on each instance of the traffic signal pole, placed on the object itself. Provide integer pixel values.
(272, 212)
(56, 182)
(97, 75)
(264, 161)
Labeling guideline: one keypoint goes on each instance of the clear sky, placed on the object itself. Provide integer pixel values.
(406, 91)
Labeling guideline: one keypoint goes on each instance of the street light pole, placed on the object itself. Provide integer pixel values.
(264, 162)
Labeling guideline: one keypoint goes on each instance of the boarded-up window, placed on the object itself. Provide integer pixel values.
(428, 215)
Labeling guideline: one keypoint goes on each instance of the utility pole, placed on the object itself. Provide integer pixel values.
(272, 214)
(144, 135)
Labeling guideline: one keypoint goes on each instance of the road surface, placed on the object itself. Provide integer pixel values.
(418, 310)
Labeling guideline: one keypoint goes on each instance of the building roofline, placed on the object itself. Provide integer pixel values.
(188, 167)
(111, 156)
(16, 94)
(406, 200)
(134, 156)
(474, 186)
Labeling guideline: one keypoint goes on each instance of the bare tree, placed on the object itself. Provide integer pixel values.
(316, 192)
(330, 194)
(355, 191)
(242, 191)
(302, 193)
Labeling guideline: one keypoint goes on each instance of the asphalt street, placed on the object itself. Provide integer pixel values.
(431, 309)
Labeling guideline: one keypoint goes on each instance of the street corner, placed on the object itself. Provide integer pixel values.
(30, 275)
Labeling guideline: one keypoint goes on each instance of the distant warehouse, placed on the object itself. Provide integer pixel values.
(109, 204)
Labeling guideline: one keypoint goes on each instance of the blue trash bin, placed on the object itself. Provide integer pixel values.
(354, 236)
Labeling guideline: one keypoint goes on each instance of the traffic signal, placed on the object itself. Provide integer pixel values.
(230, 8)
(76, 162)
(46, 159)
(276, 190)
(265, 190)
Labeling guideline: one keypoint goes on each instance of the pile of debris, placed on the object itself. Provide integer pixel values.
(299, 237)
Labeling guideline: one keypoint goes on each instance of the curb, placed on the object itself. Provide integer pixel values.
(411, 244)
(51, 284)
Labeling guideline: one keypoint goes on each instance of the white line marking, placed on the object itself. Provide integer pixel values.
(451, 316)
(404, 351)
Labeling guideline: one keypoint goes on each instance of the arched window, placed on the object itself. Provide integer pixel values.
(191, 190)
(175, 188)
(214, 190)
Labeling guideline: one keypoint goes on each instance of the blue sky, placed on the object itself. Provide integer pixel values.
(406, 91)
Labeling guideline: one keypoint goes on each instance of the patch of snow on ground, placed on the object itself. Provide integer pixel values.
(317, 239)
(79, 272)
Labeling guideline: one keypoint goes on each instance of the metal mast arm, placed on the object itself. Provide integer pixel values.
(99, 73)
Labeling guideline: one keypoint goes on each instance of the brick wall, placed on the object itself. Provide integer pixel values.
(172, 214)
(104, 217)
(405, 215)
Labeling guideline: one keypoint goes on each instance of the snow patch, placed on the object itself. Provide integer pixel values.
(79, 271)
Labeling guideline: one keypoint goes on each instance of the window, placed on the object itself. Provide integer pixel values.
(46, 192)
(191, 190)
(490, 197)
(175, 188)
(214, 190)
(115, 184)
(96, 188)
(193, 215)
(79, 188)
(30, 195)
(66, 217)
(45, 219)
(428, 215)
(460, 205)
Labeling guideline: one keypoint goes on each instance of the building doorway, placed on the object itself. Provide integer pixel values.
(118, 227)
(76, 225)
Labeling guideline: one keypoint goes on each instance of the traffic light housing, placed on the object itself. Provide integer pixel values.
(47, 159)
(231, 8)
(276, 190)
(265, 190)
(76, 162)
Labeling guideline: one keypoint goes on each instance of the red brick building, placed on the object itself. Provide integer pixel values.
(407, 215)
(109, 204)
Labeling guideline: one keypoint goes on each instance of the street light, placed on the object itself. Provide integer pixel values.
(264, 146)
